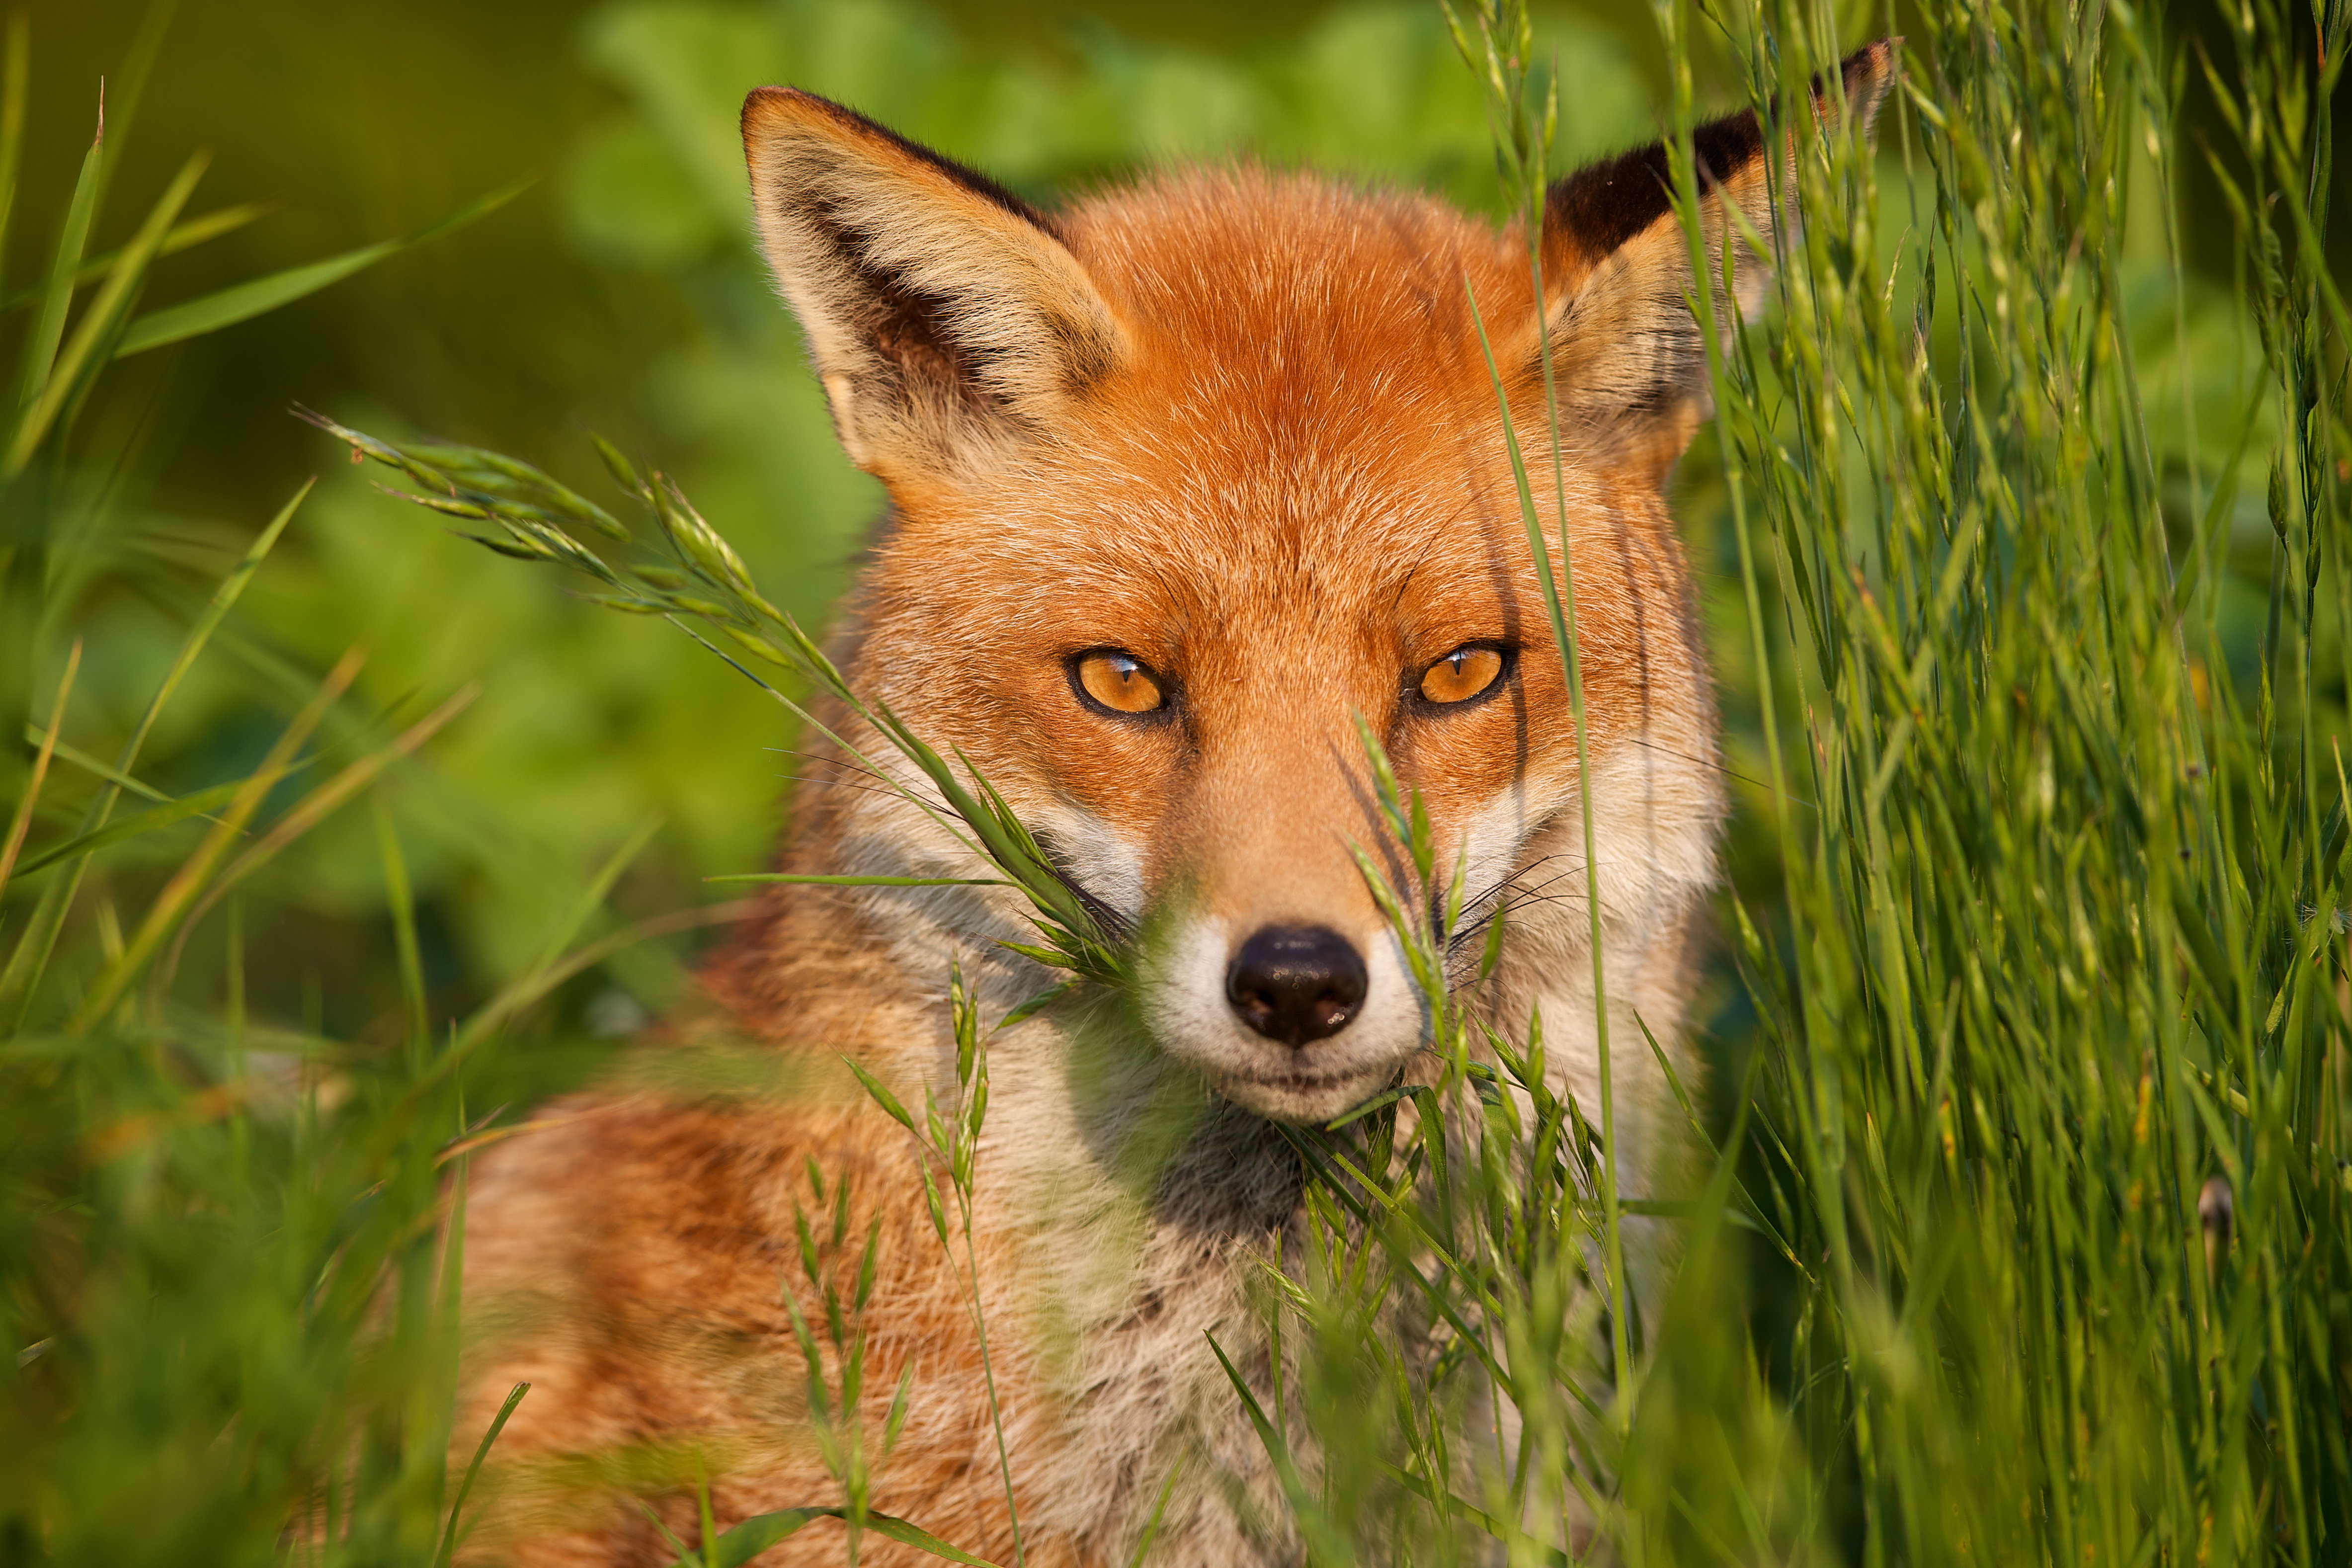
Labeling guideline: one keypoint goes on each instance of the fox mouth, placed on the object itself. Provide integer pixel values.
(1298, 1082)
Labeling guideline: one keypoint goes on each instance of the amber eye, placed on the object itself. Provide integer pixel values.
(1462, 674)
(1117, 681)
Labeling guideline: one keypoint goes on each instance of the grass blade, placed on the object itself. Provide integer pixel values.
(189, 879)
(473, 1467)
(15, 75)
(851, 881)
(922, 1540)
(23, 821)
(48, 327)
(243, 302)
(199, 803)
(1324, 1541)
(104, 772)
(63, 382)
(551, 968)
(309, 812)
(742, 1542)
(31, 956)
(186, 234)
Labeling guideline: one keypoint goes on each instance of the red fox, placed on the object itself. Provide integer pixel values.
(1182, 480)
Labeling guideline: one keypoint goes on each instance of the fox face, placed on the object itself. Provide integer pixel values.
(1196, 484)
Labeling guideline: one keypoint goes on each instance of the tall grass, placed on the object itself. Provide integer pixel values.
(2052, 1067)
(2022, 1224)
(2038, 1179)
(199, 1210)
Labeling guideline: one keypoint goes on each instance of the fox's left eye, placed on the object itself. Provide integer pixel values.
(1470, 670)
(1111, 679)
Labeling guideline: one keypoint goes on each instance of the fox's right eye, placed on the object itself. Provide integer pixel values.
(1117, 682)
(1470, 670)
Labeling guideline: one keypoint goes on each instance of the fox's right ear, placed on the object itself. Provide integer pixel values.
(946, 319)
(1631, 361)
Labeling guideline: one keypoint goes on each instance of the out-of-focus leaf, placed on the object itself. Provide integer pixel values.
(184, 235)
(135, 825)
(90, 765)
(13, 92)
(73, 234)
(63, 380)
(243, 302)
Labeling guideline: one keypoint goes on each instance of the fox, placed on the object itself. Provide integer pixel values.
(1185, 479)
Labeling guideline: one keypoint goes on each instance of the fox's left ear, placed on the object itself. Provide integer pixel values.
(947, 320)
(1631, 366)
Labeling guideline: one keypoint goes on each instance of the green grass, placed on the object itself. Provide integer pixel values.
(2023, 1230)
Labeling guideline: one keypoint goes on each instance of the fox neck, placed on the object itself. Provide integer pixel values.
(1122, 1211)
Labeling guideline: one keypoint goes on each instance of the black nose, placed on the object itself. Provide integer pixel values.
(1297, 983)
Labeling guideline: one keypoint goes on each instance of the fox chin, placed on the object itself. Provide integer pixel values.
(1187, 481)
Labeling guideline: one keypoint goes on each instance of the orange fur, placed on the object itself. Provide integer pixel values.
(1238, 424)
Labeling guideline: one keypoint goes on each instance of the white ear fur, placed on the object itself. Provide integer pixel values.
(946, 319)
(1626, 349)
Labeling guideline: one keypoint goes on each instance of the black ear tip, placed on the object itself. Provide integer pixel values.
(1867, 72)
(777, 113)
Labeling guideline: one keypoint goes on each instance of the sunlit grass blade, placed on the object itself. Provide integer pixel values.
(441, 1559)
(309, 812)
(138, 826)
(188, 881)
(21, 822)
(64, 380)
(16, 75)
(31, 955)
(186, 234)
(243, 302)
(49, 326)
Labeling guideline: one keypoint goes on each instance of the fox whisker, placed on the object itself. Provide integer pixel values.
(1719, 766)
(840, 784)
(826, 760)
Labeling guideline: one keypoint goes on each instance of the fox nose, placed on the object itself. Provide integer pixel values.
(1297, 983)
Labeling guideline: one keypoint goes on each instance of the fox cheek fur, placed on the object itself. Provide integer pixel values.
(1185, 483)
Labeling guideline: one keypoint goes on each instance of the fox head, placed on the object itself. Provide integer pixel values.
(1189, 479)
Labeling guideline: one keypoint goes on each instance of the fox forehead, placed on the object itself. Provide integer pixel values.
(1281, 308)
(1304, 411)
